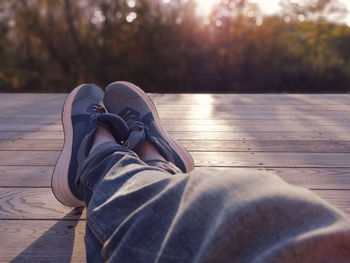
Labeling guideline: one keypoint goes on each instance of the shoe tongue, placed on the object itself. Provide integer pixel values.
(136, 126)
(115, 124)
(136, 137)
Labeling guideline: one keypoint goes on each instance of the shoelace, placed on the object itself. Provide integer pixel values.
(99, 108)
(137, 130)
(114, 123)
(133, 121)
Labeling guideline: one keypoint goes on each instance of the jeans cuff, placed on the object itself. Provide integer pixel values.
(101, 150)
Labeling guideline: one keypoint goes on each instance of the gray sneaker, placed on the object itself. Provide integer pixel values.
(82, 113)
(138, 111)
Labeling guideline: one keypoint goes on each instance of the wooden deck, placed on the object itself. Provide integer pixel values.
(303, 138)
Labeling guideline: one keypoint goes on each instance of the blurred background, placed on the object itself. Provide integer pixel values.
(176, 45)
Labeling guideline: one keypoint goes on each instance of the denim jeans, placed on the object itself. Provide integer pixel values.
(150, 212)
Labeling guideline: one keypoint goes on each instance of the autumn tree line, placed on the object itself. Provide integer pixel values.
(165, 46)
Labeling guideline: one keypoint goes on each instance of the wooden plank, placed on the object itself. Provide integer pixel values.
(254, 107)
(29, 120)
(37, 109)
(42, 241)
(31, 145)
(269, 159)
(267, 146)
(245, 136)
(209, 146)
(255, 128)
(339, 198)
(33, 203)
(255, 159)
(39, 203)
(313, 178)
(11, 135)
(12, 99)
(28, 125)
(19, 158)
(204, 135)
(34, 240)
(35, 116)
(39, 135)
(253, 99)
(252, 122)
(25, 176)
(206, 99)
(250, 111)
(232, 116)
(10, 102)
(188, 114)
(200, 118)
(219, 130)
(276, 127)
(268, 113)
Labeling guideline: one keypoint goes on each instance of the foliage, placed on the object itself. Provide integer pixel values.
(54, 45)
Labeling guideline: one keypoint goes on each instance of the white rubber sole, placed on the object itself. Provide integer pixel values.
(178, 147)
(59, 179)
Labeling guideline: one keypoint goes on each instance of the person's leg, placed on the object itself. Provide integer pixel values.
(140, 213)
(209, 215)
(147, 212)
(87, 128)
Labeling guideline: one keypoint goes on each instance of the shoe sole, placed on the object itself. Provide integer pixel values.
(59, 179)
(176, 146)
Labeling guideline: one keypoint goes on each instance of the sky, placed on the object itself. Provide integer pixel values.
(267, 6)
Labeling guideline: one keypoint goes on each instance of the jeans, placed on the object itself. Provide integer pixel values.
(150, 212)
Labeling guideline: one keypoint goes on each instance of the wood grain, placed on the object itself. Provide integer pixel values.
(31, 145)
(19, 158)
(33, 203)
(216, 159)
(303, 138)
(25, 176)
(233, 136)
(203, 135)
(271, 159)
(39, 203)
(267, 146)
(202, 145)
(252, 99)
(313, 178)
(42, 241)
(172, 127)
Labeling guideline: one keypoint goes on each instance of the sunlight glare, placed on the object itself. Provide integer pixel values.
(204, 7)
(348, 18)
(204, 105)
(267, 6)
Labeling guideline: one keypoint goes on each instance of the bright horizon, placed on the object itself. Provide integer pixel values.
(268, 7)
(204, 7)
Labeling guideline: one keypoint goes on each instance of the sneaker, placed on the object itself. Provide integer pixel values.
(81, 115)
(137, 109)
